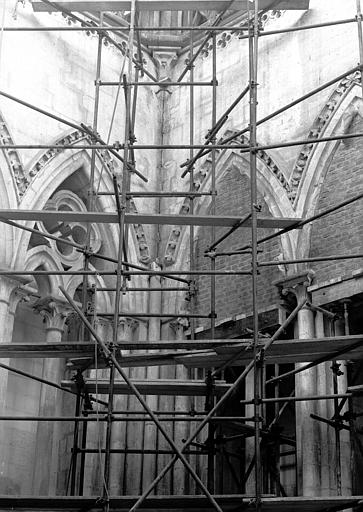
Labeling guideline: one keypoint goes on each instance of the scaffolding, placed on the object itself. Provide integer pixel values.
(213, 354)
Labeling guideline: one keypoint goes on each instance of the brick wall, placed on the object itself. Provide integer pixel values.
(233, 294)
(340, 232)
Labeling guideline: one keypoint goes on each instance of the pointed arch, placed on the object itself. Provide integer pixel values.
(43, 256)
(269, 185)
(318, 165)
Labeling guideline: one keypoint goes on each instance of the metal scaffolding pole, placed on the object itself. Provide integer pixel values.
(186, 28)
(191, 178)
(359, 19)
(257, 362)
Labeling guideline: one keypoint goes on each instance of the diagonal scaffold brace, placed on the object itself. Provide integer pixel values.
(109, 356)
(217, 407)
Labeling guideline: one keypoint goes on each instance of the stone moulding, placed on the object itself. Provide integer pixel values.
(200, 178)
(49, 154)
(13, 158)
(317, 130)
(225, 38)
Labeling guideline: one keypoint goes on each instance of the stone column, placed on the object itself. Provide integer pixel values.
(307, 429)
(341, 329)
(152, 373)
(325, 409)
(181, 403)
(126, 329)
(10, 295)
(308, 456)
(54, 312)
(93, 483)
(308, 446)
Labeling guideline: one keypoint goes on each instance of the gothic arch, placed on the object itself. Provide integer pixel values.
(318, 165)
(43, 256)
(269, 185)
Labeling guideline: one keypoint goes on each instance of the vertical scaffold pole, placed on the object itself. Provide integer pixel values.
(121, 210)
(253, 61)
(90, 207)
(360, 37)
(191, 178)
(210, 399)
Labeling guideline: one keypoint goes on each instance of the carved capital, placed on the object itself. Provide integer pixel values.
(179, 325)
(296, 285)
(53, 311)
(11, 289)
(126, 327)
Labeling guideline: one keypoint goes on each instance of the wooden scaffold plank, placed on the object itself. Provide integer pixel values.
(203, 353)
(143, 218)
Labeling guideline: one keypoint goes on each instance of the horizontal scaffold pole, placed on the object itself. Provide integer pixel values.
(308, 260)
(298, 398)
(144, 289)
(101, 417)
(159, 84)
(152, 315)
(165, 194)
(186, 28)
(125, 273)
(242, 147)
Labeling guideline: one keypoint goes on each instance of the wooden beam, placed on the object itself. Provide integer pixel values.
(170, 387)
(167, 5)
(142, 218)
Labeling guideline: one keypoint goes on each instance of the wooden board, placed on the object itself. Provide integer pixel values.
(143, 218)
(281, 352)
(170, 387)
(204, 353)
(168, 5)
(229, 503)
(80, 349)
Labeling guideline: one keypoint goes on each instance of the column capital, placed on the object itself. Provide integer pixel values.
(179, 325)
(54, 312)
(297, 285)
(10, 284)
(126, 327)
